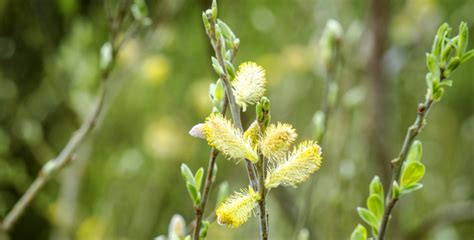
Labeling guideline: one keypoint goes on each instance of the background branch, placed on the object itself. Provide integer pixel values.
(55, 165)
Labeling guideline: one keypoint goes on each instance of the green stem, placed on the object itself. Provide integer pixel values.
(413, 131)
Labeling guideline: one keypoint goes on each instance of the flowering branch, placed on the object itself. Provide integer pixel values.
(407, 170)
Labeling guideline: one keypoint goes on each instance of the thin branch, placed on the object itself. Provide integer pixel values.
(413, 131)
(55, 165)
(207, 185)
(234, 108)
(210, 169)
(263, 213)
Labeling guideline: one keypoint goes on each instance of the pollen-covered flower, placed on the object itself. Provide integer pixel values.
(249, 84)
(277, 140)
(304, 160)
(221, 134)
(237, 209)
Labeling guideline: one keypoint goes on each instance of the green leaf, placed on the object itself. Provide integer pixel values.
(187, 174)
(395, 190)
(194, 194)
(214, 9)
(454, 63)
(416, 150)
(198, 178)
(429, 80)
(368, 217)
(446, 83)
(359, 233)
(217, 66)
(412, 173)
(205, 21)
(448, 48)
(439, 38)
(438, 94)
(468, 55)
(376, 187)
(432, 63)
(375, 205)
(411, 188)
(230, 69)
(219, 90)
(226, 31)
(463, 37)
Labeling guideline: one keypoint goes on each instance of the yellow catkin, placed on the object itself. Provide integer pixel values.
(237, 209)
(249, 84)
(253, 133)
(298, 166)
(277, 140)
(221, 134)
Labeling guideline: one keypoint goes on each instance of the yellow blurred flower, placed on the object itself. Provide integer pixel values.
(156, 69)
(162, 139)
(91, 228)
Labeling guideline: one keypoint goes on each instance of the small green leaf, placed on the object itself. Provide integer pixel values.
(416, 150)
(368, 217)
(230, 69)
(375, 205)
(217, 67)
(454, 63)
(438, 94)
(187, 174)
(463, 38)
(214, 9)
(204, 229)
(219, 90)
(198, 178)
(205, 21)
(412, 173)
(429, 80)
(439, 38)
(412, 188)
(448, 48)
(376, 187)
(395, 190)
(226, 31)
(432, 63)
(446, 83)
(194, 194)
(359, 233)
(468, 55)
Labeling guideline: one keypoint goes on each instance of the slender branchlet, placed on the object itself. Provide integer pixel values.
(108, 54)
(330, 55)
(407, 170)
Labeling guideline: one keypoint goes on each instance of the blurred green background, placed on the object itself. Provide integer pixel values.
(125, 181)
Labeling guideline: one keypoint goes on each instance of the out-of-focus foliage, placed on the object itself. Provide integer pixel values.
(125, 182)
